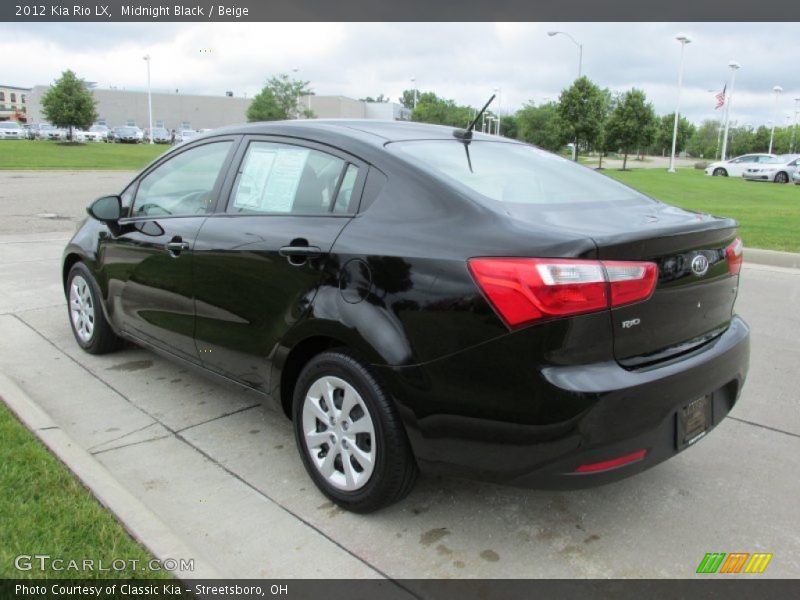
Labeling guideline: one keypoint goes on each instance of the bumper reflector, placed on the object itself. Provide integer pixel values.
(613, 463)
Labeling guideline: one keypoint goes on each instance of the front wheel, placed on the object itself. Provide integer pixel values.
(86, 317)
(781, 177)
(720, 172)
(349, 435)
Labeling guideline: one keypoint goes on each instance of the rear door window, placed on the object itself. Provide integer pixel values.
(278, 178)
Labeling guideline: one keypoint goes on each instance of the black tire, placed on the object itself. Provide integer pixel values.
(102, 339)
(720, 172)
(395, 470)
(781, 177)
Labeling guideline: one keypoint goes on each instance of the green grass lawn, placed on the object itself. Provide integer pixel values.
(26, 154)
(768, 213)
(45, 510)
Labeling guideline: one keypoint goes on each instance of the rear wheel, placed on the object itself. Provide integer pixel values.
(86, 317)
(720, 172)
(349, 435)
(781, 177)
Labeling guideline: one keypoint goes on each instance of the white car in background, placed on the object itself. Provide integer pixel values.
(92, 135)
(736, 166)
(11, 130)
(777, 170)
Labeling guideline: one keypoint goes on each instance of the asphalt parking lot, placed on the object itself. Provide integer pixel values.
(225, 476)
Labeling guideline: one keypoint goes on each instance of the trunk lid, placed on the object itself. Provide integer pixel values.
(689, 307)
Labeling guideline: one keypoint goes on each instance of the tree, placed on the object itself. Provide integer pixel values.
(540, 125)
(380, 98)
(509, 126)
(703, 143)
(278, 99)
(69, 103)
(407, 99)
(581, 110)
(432, 109)
(630, 126)
(663, 136)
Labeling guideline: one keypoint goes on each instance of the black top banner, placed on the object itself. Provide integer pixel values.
(398, 10)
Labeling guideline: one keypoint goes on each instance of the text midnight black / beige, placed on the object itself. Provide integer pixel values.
(180, 10)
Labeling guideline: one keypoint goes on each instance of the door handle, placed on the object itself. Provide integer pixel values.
(175, 246)
(300, 251)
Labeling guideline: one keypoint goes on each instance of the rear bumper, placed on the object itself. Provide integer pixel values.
(579, 414)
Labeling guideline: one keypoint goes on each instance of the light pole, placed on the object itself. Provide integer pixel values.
(778, 91)
(683, 39)
(414, 85)
(734, 67)
(574, 41)
(498, 91)
(297, 96)
(794, 129)
(146, 58)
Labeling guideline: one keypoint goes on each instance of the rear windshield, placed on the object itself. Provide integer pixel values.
(8, 125)
(514, 173)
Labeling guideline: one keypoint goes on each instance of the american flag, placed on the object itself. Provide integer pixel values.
(721, 98)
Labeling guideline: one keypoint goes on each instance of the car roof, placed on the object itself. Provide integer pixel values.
(377, 132)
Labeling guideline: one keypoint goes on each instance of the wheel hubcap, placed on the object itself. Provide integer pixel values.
(81, 308)
(339, 433)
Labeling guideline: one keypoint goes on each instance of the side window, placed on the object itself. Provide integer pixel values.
(126, 198)
(345, 194)
(281, 178)
(183, 184)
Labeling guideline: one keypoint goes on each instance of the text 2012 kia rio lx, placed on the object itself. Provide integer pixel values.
(417, 296)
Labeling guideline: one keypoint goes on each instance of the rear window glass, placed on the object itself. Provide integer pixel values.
(514, 173)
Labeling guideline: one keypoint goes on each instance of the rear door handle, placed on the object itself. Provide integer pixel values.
(176, 246)
(300, 251)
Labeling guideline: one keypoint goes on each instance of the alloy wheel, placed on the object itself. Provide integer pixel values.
(81, 308)
(339, 433)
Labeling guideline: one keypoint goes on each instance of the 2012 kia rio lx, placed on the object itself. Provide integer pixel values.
(414, 296)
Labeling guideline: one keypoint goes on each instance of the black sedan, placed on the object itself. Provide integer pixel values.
(414, 296)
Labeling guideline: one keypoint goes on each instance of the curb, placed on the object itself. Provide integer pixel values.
(138, 520)
(773, 258)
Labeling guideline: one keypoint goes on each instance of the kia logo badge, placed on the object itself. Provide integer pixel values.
(699, 265)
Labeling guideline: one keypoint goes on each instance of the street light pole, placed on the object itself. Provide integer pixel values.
(146, 58)
(414, 83)
(794, 129)
(574, 41)
(778, 91)
(683, 39)
(498, 91)
(734, 67)
(296, 97)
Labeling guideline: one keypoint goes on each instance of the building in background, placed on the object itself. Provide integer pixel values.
(14, 103)
(191, 111)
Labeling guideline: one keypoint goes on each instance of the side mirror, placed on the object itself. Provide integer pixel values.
(107, 209)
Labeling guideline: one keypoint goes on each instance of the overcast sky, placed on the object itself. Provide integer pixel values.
(460, 61)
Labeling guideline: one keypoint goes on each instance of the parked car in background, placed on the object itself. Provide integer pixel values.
(46, 131)
(184, 135)
(102, 130)
(90, 135)
(796, 176)
(11, 130)
(160, 135)
(777, 170)
(582, 332)
(128, 135)
(734, 167)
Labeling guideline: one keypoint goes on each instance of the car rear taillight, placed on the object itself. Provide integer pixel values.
(530, 289)
(735, 256)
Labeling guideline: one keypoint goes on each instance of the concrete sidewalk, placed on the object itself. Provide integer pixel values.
(225, 478)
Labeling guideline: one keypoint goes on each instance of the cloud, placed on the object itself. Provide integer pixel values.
(463, 61)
